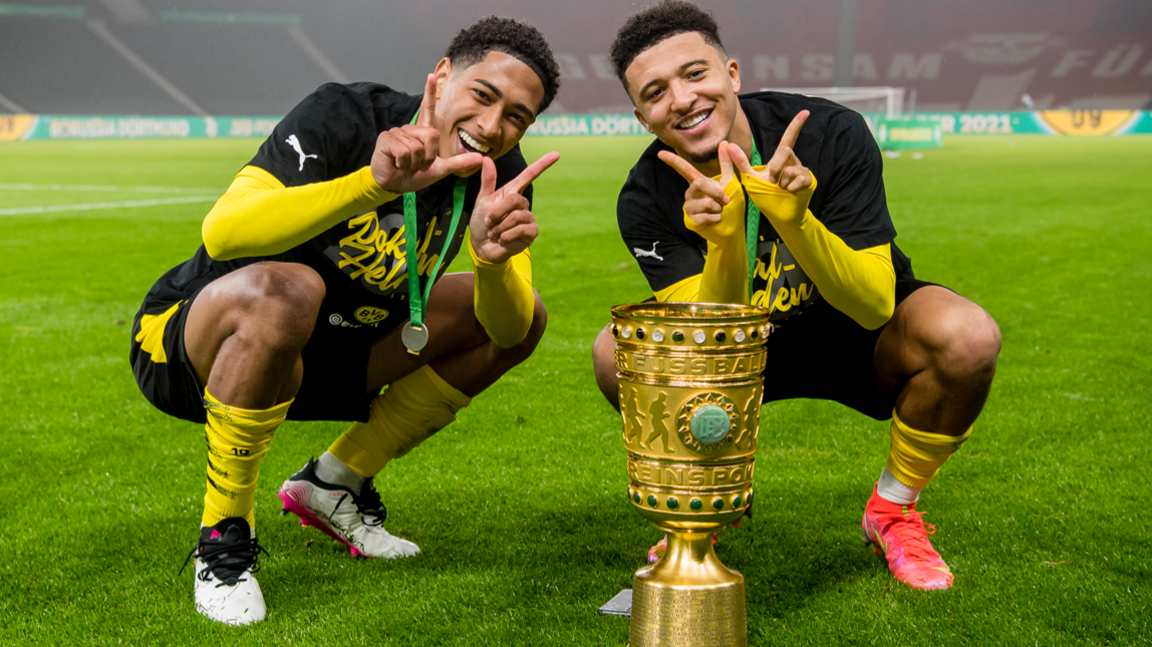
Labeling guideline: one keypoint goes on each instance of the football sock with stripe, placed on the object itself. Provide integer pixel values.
(237, 442)
(914, 457)
(408, 413)
(891, 489)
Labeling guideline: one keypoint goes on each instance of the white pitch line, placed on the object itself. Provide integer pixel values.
(105, 187)
(129, 204)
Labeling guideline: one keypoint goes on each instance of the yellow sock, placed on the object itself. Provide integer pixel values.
(408, 413)
(914, 456)
(237, 441)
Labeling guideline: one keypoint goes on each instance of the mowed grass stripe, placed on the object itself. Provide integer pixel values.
(111, 188)
(519, 506)
(97, 206)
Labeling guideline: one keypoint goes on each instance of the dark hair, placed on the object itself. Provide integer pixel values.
(513, 37)
(656, 23)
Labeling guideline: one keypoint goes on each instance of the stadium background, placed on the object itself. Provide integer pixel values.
(258, 57)
(519, 506)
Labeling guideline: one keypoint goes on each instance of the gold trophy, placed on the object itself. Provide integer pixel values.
(691, 382)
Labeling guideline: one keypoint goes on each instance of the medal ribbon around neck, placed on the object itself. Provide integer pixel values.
(752, 229)
(415, 334)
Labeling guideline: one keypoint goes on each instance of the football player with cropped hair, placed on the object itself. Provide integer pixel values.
(778, 200)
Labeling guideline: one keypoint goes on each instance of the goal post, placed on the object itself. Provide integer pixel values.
(881, 99)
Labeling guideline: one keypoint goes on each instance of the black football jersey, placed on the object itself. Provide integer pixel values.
(835, 144)
(331, 134)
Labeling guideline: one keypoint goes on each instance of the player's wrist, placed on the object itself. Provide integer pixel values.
(481, 258)
(373, 188)
(782, 207)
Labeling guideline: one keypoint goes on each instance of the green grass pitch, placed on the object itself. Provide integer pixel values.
(520, 506)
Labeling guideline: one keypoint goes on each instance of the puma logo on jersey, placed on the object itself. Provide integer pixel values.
(295, 144)
(640, 253)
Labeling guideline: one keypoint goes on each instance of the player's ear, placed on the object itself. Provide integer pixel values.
(443, 71)
(734, 74)
(640, 118)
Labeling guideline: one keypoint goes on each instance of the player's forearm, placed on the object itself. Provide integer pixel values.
(725, 275)
(259, 216)
(859, 283)
(503, 297)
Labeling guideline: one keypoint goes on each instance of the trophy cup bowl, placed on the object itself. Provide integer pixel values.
(691, 383)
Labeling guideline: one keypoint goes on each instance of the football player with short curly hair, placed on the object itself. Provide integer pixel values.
(778, 200)
(321, 281)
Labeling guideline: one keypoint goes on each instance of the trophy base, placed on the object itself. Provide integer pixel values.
(688, 598)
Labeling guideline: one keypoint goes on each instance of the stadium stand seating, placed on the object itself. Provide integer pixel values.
(228, 69)
(260, 57)
(58, 66)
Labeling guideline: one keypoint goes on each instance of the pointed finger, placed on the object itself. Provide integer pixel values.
(487, 178)
(534, 170)
(783, 158)
(724, 154)
(706, 187)
(681, 165)
(740, 160)
(793, 130)
(442, 166)
(428, 104)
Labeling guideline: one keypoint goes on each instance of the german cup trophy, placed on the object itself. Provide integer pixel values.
(691, 382)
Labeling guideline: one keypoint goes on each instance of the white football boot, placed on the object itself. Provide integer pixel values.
(355, 518)
(225, 562)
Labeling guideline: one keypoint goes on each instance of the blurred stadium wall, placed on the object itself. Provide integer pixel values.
(259, 57)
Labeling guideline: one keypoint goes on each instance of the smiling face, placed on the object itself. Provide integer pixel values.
(485, 107)
(684, 91)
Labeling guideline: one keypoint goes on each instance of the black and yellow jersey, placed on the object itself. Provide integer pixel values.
(835, 144)
(329, 137)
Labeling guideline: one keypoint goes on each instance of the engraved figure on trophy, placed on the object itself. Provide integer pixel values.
(659, 411)
(633, 419)
(749, 418)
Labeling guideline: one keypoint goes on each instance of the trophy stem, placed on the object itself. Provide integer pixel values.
(688, 598)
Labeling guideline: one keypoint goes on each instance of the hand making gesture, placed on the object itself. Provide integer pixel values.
(785, 171)
(706, 197)
(502, 225)
(408, 158)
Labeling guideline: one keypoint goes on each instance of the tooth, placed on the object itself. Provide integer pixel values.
(692, 122)
(473, 143)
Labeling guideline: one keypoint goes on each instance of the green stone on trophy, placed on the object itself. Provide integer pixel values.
(710, 424)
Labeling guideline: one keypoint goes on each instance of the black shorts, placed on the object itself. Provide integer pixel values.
(333, 387)
(824, 354)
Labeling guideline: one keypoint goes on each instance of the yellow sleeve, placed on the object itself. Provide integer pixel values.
(259, 216)
(725, 275)
(503, 297)
(859, 283)
(686, 290)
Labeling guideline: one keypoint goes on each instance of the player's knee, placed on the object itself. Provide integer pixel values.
(279, 304)
(604, 365)
(969, 344)
(539, 322)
